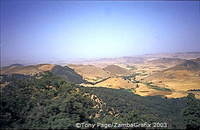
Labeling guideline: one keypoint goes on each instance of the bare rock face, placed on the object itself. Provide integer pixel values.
(101, 106)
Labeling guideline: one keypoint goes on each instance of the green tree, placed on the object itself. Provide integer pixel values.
(191, 113)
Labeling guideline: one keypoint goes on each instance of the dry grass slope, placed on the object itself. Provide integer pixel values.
(90, 72)
(116, 70)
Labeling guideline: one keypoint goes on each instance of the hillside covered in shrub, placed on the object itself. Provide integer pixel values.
(48, 101)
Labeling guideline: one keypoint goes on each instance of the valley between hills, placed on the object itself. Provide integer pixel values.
(157, 88)
(168, 75)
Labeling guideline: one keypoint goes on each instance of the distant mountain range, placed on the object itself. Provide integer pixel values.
(189, 65)
(184, 66)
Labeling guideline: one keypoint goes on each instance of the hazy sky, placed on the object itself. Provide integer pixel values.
(61, 30)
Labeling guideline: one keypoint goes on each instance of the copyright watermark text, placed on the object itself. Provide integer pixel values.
(125, 125)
